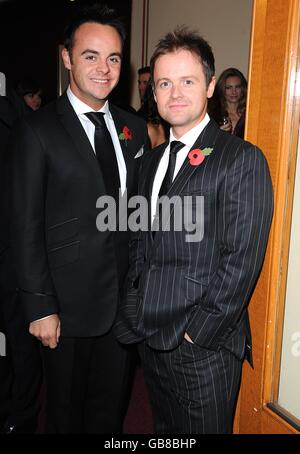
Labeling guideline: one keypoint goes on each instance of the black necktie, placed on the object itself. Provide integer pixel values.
(175, 146)
(105, 153)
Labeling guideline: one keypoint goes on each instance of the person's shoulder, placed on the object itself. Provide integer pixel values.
(160, 147)
(154, 152)
(42, 121)
(135, 125)
(151, 155)
(230, 147)
(42, 115)
(48, 109)
(243, 145)
(254, 149)
(245, 150)
(231, 141)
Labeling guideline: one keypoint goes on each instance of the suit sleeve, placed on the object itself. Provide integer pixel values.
(136, 246)
(28, 199)
(245, 213)
(126, 324)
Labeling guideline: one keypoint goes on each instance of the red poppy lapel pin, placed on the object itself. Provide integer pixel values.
(197, 156)
(126, 134)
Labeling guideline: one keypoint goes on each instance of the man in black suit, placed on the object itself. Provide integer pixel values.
(70, 274)
(188, 287)
(20, 368)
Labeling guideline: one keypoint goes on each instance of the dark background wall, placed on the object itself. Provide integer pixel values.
(30, 33)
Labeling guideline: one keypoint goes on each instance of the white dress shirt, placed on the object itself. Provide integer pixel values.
(188, 139)
(81, 108)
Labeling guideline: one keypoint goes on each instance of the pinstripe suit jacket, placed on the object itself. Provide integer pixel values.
(202, 288)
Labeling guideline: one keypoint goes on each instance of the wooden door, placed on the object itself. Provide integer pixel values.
(272, 124)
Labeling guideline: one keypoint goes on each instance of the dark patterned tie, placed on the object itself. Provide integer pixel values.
(175, 146)
(105, 153)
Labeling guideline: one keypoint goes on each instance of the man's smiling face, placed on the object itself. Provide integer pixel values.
(94, 63)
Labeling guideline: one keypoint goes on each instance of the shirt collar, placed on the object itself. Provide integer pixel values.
(81, 108)
(190, 137)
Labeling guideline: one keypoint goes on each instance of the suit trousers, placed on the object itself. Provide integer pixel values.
(192, 390)
(86, 385)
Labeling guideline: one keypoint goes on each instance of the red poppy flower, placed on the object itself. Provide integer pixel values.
(196, 157)
(127, 133)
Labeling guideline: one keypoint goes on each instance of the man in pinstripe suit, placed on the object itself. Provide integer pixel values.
(186, 303)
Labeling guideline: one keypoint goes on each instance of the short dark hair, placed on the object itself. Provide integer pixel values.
(183, 38)
(144, 70)
(96, 13)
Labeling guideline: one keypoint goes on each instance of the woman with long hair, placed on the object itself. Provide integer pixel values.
(228, 106)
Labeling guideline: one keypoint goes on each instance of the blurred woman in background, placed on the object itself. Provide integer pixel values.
(228, 105)
(31, 92)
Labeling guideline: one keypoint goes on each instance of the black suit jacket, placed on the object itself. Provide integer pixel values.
(64, 264)
(203, 287)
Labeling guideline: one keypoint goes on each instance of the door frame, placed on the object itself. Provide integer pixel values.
(273, 112)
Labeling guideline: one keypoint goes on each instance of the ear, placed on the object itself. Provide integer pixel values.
(154, 95)
(66, 58)
(211, 87)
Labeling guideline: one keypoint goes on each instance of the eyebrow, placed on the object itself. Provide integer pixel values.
(181, 78)
(89, 51)
(162, 78)
(95, 52)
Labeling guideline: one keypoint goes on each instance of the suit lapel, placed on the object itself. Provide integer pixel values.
(205, 140)
(75, 130)
(156, 155)
(150, 165)
(119, 125)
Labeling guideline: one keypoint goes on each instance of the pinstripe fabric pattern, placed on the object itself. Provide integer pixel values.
(192, 390)
(202, 288)
(199, 288)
